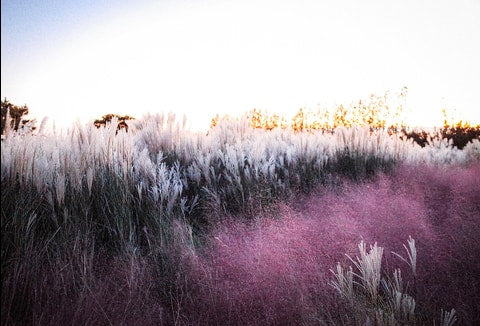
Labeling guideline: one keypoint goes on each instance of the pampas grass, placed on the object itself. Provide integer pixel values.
(239, 225)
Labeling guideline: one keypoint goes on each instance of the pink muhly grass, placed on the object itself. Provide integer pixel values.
(275, 270)
(261, 274)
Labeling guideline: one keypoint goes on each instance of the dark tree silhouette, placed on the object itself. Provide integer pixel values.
(16, 113)
(122, 120)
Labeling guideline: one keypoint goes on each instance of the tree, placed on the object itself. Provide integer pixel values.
(16, 115)
(299, 121)
(109, 117)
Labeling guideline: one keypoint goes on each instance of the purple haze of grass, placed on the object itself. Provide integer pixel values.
(276, 271)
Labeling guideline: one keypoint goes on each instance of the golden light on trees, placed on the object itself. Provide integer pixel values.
(377, 112)
(385, 111)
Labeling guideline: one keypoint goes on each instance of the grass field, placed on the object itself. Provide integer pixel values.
(240, 226)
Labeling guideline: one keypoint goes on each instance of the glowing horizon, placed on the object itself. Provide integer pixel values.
(207, 58)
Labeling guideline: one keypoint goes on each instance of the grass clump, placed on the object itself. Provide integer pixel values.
(377, 298)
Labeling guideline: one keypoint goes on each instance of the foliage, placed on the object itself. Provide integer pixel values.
(377, 112)
(14, 115)
(458, 135)
(107, 118)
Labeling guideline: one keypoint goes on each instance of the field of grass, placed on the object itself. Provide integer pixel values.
(240, 226)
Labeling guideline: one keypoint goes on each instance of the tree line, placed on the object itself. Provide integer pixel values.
(377, 112)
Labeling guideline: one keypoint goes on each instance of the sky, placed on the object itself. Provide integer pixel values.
(78, 60)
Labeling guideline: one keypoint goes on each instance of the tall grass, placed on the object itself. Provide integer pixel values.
(278, 271)
(100, 225)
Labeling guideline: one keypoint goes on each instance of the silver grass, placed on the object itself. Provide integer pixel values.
(411, 254)
(448, 318)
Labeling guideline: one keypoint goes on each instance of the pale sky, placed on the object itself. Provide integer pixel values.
(81, 59)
